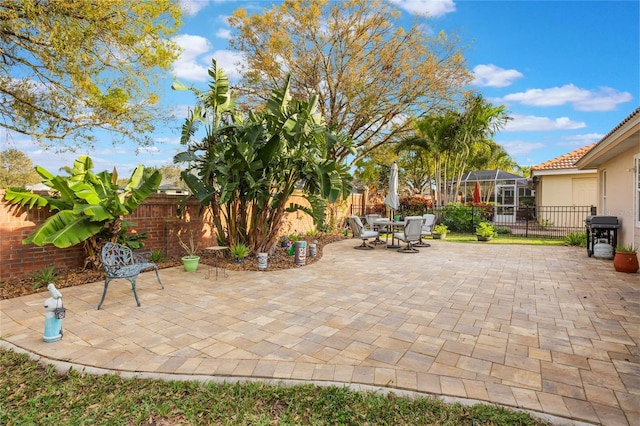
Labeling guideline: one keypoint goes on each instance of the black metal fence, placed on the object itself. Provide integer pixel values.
(524, 221)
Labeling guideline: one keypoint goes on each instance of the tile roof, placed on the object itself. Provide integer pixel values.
(565, 161)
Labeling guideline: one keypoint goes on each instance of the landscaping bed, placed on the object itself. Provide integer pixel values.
(72, 277)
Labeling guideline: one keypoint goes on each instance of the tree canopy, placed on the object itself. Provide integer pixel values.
(16, 169)
(369, 73)
(70, 67)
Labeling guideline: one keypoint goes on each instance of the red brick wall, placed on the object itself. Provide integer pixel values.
(157, 216)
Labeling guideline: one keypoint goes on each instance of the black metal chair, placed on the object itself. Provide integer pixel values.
(120, 262)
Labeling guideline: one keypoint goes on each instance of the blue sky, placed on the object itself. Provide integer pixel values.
(568, 71)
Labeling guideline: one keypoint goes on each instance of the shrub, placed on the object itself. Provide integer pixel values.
(502, 230)
(577, 238)
(460, 218)
(414, 206)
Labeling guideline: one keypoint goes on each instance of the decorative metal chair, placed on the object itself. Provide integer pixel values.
(120, 262)
(359, 232)
(412, 233)
(428, 221)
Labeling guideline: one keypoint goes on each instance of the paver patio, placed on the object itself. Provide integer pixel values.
(540, 328)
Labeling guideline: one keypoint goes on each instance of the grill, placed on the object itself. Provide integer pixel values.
(601, 229)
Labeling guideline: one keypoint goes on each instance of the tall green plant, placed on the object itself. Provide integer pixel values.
(246, 167)
(89, 206)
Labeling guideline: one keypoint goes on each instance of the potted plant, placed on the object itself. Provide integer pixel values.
(191, 259)
(439, 231)
(626, 259)
(484, 231)
(239, 252)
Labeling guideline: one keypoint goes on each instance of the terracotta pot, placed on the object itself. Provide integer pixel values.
(625, 262)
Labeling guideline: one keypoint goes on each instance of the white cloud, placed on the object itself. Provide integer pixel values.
(605, 99)
(521, 123)
(581, 140)
(433, 8)
(189, 64)
(494, 76)
(192, 7)
(148, 150)
(224, 33)
(229, 61)
(521, 148)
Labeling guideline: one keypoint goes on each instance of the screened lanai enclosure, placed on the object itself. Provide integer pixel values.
(503, 189)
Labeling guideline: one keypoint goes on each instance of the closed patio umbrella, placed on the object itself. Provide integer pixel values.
(476, 193)
(391, 199)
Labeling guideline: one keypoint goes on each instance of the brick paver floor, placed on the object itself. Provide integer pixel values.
(545, 329)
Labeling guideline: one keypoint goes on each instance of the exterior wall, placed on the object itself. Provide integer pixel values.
(558, 190)
(620, 195)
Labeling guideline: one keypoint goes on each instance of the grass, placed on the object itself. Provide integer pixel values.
(503, 239)
(33, 394)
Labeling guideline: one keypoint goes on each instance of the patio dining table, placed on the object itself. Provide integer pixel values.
(391, 227)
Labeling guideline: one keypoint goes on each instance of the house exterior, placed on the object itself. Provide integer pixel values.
(558, 182)
(617, 160)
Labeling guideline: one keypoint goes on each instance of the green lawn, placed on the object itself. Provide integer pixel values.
(31, 394)
(503, 239)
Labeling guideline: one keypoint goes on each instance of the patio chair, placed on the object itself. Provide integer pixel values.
(428, 221)
(360, 232)
(120, 262)
(371, 218)
(411, 235)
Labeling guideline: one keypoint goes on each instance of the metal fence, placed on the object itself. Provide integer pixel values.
(524, 221)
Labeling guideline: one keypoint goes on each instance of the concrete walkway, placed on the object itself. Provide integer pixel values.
(545, 329)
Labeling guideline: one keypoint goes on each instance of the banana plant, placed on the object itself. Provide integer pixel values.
(247, 166)
(89, 206)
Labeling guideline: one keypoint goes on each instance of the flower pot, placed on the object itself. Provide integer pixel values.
(238, 260)
(483, 238)
(438, 236)
(190, 263)
(625, 262)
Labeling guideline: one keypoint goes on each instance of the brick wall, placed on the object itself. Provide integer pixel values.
(156, 216)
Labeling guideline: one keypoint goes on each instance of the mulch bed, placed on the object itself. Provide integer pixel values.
(72, 277)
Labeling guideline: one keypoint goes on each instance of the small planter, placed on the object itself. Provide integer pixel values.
(438, 236)
(625, 262)
(191, 263)
(483, 238)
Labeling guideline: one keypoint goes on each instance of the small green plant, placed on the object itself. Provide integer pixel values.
(157, 256)
(485, 229)
(239, 251)
(44, 276)
(577, 238)
(545, 222)
(502, 230)
(626, 249)
(313, 232)
(190, 247)
(440, 228)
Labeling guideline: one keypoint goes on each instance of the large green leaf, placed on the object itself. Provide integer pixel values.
(64, 229)
(24, 198)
